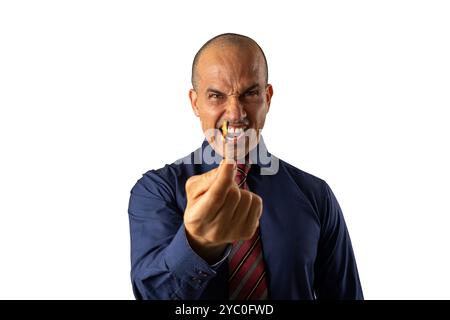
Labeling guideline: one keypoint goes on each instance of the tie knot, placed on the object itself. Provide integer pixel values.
(241, 174)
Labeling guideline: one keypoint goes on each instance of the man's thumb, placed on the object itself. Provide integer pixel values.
(225, 174)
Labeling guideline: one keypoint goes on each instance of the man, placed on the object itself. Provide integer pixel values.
(225, 223)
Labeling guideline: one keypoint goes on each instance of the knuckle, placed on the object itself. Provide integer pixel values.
(257, 198)
(234, 195)
(245, 202)
(257, 212)
(246, 196)
(190, 182)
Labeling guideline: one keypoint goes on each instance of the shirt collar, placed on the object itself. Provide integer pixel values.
(259, 157)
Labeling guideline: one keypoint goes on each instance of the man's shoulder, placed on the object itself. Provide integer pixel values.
(302, 177)
(311, 187)
(170, 176)
(180, 169)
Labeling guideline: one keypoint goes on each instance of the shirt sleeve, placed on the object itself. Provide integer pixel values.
(163, 265)
(336, 271)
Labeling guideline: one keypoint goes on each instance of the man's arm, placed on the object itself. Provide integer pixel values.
(171, 249)
(163, 264)
(336, 274)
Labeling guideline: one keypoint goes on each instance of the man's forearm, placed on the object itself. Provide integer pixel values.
(176, 272)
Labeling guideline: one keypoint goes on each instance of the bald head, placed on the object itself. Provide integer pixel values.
(231, 41)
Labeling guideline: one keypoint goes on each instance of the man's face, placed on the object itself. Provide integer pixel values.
(231, 87)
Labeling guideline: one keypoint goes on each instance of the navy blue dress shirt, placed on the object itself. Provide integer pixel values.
(306, 245)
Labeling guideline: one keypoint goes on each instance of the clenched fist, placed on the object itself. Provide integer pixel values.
(218, 212)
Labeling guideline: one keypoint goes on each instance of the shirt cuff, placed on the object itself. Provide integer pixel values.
(225, 256)
(187, 265)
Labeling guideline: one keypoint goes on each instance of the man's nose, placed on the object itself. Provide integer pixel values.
(235, 108)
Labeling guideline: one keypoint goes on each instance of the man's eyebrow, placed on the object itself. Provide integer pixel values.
(252, 87)
(212, 90)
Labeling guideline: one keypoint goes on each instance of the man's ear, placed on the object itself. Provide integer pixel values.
(269, 94)
(193, 98)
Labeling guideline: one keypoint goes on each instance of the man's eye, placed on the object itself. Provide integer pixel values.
(252, 93)
(215, 96)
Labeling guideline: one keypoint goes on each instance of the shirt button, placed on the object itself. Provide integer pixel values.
(203, 274)
(196, 280)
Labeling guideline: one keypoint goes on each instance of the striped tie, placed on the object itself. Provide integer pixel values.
(247, 278)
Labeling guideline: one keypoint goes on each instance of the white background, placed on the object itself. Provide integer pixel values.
(94, 93)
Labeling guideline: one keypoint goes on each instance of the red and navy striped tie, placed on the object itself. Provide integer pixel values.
(247, 277)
